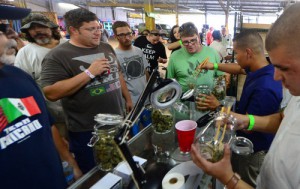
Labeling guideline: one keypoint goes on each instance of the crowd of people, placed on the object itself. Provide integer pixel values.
(51, 89)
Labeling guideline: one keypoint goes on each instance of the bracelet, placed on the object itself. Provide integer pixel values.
(251, 122)
(216, 66)
(233, 181)
(180, 42)
(89, 74)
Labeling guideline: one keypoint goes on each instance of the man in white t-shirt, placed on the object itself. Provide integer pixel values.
(43, 36)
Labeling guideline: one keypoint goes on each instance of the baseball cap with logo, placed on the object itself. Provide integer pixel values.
(36, 18)
(11, 12)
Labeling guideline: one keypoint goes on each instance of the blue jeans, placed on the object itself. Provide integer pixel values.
(83, 154)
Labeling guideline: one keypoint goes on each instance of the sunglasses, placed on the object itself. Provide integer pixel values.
(155, 34)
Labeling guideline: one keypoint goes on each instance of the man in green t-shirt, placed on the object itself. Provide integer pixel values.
(183, 65)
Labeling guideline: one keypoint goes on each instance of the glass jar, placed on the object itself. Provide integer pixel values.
(219, 90)
(210, 141)
(195, 113)
(106, 153)
(162, 120)
(202, 89)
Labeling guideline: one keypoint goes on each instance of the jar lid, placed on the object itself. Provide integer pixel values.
(188, 94)
(242, 146)
(108, 119)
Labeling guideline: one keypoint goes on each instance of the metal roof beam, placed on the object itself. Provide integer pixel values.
(94, 4)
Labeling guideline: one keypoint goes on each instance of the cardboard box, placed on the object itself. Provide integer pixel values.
(123, 170)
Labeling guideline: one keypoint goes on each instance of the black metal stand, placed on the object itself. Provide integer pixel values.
(152, 177)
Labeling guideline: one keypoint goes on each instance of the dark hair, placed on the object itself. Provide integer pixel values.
(217, 35)
(249, 39)
(188, 29)
(55, 35)
(119, 24)
(172, 37)
(145, 30)
(76, 17)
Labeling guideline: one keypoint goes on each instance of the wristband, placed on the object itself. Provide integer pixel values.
(251, 122)
(89, 74)
(180, 42)
(216, 66)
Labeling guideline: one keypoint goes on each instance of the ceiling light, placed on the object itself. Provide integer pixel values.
(125, 8)
(67, 6)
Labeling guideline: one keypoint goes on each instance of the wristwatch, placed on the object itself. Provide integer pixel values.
(233, 181)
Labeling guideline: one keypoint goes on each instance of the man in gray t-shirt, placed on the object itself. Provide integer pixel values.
(133, 64)
(132, 60)
(85, 74)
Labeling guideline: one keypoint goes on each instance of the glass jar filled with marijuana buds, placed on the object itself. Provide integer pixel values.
(106, 153)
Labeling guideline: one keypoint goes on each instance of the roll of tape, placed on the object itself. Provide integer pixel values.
(173, 181)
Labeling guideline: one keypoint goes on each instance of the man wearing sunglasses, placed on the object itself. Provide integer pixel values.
(153, 49)
(184, 62)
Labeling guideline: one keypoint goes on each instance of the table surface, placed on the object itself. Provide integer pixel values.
(143, 145)
(140, 145)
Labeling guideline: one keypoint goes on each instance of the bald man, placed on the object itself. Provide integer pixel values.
(281, 167)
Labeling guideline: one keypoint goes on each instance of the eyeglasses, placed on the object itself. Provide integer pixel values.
(93, 29)
(192, 42)
(123, 35)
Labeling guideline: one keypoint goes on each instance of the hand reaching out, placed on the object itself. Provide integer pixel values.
(206, 102)
(162, 60)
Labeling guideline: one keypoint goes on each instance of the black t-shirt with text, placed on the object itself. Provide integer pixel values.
(152, 52)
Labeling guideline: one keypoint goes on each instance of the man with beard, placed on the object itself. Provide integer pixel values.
(132, 62)
(10, 50)
(43, 36)
(85, 74)
(29, 143)
(153, 49)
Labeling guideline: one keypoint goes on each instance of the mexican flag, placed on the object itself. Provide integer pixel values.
(16, 107)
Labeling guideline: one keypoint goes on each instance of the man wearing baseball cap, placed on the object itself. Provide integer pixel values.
(43, 36)
(29, 142)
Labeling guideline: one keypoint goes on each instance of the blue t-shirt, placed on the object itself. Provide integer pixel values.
(261, 96)
(28, 157)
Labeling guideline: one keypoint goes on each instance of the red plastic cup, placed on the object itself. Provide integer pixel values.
(185, 130)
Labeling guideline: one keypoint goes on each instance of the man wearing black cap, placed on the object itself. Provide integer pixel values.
(153, 49)
(43, 36)
(28, 141)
